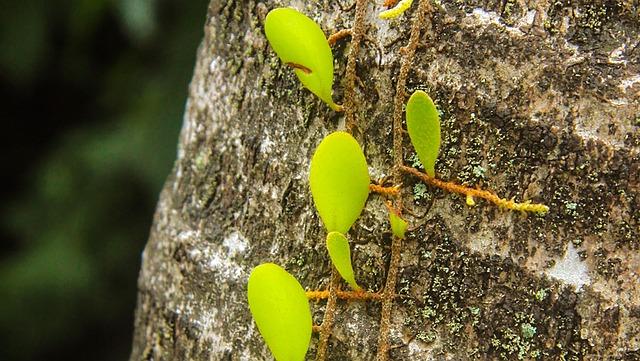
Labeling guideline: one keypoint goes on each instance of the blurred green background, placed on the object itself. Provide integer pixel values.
(92, 95)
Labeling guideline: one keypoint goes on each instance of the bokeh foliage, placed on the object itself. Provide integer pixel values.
(94, 93)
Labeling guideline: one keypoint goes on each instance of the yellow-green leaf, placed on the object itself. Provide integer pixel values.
(281, 310)
(340, 255)
(398, 225)
(423, 124)
(301, 44)
(339, 181)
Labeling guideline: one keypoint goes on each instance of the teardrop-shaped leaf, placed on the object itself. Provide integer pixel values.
(281, 310)
(340, 255)
(423, 124)
(301, 44)
(339, 181)
(398, 225)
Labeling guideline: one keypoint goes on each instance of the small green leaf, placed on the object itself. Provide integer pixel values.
(281, 310)
(340, 254)
(339, 181)
(423, 124)
(398, 225)
(301, 44)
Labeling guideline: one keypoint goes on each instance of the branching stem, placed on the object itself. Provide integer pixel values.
(408, 53)
(329, 315)
(357, 34)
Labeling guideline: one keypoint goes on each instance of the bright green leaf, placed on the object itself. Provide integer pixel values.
(340, 254)
(301, 44)
(423, 124)
(398, 225)
(281, 310)
(339, 181)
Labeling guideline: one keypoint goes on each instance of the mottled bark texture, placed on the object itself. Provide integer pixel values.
(539, 100)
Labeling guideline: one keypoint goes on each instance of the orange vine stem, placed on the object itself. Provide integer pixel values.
(390, 3)
(333, 38)
(345, 295)
(329, 315)
(477, 193)
(387, 191)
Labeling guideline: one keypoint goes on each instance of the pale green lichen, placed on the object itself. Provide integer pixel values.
(541, 294)
(527, 330)
(419, 191)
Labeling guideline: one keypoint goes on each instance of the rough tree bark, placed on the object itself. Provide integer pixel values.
(540, 101)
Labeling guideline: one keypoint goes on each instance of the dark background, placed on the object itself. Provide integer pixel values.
(92, 94)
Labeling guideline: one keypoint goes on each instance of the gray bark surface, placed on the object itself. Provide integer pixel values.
(539, 101)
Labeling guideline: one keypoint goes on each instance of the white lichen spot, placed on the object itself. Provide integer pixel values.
(213, 65)
(352, 326)
(215, 258)
(486, 17)
(527, 20)
(235, 243)
(629, 82)
(376, 174)
(224, 268)
(616, 56)
(274, 249)
(491, 17)
(414, 349)
(570, 269)
(266, 145)
(188, 235)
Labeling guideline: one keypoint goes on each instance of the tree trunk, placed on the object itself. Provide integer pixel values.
(540, 101)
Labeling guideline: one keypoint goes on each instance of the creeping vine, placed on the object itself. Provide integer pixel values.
(340, 183)
(396, 243)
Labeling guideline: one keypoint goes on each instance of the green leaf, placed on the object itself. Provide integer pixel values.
(281, 310)
(423, 124)
(301, 44)
(398, 225)
(340, 255)
(339, 181)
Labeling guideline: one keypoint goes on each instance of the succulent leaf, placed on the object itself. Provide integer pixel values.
(398, 225)
(340, 255)
(281, 310)
(423, 125)
(339, 181)
(301, 44)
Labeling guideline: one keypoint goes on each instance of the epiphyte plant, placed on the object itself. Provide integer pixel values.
(339, 178)
(281, 310)
(423, 126)
(300, 43)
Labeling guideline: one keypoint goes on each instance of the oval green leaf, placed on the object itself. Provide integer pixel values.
(423, 125)
(398, 225)
(301, 44)
(339, 181)
(340, 255)
(281, 310)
